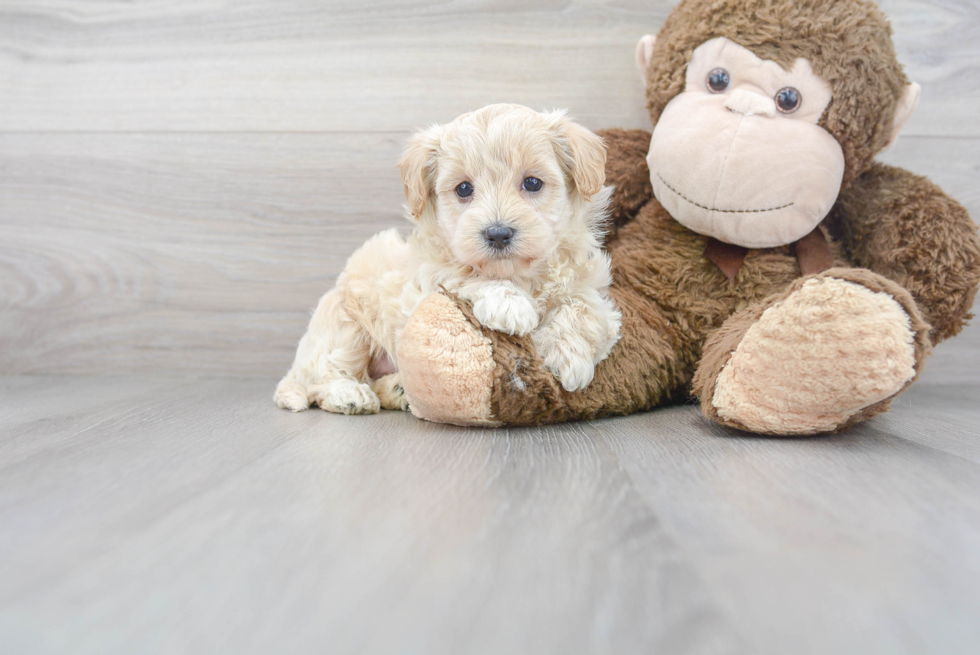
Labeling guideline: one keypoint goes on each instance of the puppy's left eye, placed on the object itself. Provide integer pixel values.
(464, 189)
(532, 184)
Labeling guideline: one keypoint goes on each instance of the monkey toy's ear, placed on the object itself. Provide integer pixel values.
(904, 109)
(644, 52)
(417, 168)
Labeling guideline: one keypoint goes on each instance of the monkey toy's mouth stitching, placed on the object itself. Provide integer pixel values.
(722, 211)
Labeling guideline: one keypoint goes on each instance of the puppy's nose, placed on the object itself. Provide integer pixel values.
(498, 236)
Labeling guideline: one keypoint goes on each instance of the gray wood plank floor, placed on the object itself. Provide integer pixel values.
(171, 515)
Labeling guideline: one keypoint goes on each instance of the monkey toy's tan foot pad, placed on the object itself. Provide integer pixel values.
(831, 352)
(446, 365)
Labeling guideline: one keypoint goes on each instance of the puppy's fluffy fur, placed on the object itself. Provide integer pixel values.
(549, 280)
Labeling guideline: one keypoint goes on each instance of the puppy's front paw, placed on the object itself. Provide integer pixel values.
(504, 310)
(569, 359)
(345, 397)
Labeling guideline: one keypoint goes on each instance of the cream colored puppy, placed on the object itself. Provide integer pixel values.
(508, 206)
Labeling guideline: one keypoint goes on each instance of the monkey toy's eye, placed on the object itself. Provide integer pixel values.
(464, 189)
(531, 184)
(788, 100)
(718, 80)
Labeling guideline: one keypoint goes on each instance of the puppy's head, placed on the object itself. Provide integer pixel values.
(502, 185)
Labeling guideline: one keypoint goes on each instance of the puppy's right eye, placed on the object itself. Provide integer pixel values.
(464, 189)
(531, 184)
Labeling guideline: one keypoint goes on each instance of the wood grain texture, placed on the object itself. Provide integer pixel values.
(190, 249)
(386, 65)
(205, 253)
(172, 515)
(794, 532)
(142, 523)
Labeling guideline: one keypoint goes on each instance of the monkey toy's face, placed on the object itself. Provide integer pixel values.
(739, 155)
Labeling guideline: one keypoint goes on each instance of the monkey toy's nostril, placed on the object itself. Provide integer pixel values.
(498, 236)
(749, 103)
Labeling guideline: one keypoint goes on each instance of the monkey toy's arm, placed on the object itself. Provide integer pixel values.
(626, 170)
(904, 227)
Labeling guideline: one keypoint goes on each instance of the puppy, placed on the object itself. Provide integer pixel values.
(508, 207)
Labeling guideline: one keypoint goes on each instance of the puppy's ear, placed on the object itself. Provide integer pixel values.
(418, 169)
(585, 156)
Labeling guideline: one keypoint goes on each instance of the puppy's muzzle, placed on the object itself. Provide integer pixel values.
(498, 237)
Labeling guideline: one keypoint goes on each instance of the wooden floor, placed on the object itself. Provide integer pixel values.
(181, 180)
(177, 516)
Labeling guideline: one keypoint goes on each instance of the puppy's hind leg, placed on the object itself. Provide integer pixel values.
(390, 392)
(331, 360)
(291, 394)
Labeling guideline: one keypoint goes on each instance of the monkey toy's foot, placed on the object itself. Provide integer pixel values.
(831, 351)
(446, 364)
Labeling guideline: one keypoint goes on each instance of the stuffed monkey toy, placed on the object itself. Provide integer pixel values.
(763, 262)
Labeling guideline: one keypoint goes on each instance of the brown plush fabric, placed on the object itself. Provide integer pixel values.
(848, 43)
(671, 299)
(726, 256)
(904, 226)
(813, 252)
(720, 346)
(890, 231)
(626, 170)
